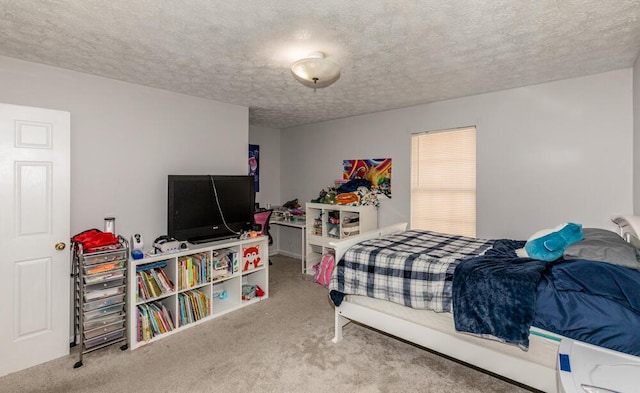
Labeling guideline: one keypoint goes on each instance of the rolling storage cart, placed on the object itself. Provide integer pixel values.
(100, 296)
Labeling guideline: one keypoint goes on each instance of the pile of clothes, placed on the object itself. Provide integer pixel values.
(356, 192)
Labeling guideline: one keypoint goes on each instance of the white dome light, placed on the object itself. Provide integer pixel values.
(315, 71)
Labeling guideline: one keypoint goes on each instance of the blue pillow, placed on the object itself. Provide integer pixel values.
(549, 244)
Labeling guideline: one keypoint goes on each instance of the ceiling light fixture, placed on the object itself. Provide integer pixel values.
(315, 71)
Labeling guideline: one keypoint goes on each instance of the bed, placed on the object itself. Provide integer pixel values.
(529, 358)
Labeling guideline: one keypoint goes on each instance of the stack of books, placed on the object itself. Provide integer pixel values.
(194, 305)
(153, 282)
(193, 270)
(153, 319)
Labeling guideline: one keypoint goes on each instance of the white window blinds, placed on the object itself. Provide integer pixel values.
(443, 181)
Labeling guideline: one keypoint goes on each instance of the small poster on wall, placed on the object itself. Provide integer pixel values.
(254, 165)
(376, 170)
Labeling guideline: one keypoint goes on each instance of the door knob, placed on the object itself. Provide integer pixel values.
(60, 246)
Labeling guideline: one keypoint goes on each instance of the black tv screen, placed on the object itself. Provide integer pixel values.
(209, 207)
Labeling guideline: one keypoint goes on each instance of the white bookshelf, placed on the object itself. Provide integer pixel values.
(212, 291)
(327, 223)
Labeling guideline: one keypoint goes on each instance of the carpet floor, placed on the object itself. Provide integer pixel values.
(281, 344)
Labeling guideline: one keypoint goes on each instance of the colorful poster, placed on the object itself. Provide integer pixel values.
(254, 165)
(376, 170)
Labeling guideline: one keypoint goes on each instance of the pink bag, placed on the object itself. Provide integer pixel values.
(324, 269)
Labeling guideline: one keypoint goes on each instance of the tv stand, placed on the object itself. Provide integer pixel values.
(201, 240)
(196, 285)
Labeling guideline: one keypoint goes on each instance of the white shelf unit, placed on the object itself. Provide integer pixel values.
(327, 223)
(215, 286)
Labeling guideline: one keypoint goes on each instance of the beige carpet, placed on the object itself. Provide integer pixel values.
(282, 344)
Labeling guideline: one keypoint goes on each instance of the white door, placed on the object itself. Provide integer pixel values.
(34, 218)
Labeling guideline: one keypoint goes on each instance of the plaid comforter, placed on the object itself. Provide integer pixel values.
(413, 268)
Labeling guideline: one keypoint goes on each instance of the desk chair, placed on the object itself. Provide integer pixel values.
(261, 218)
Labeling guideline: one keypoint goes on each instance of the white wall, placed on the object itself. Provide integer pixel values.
(547, 154)
(126, 139)
(269, 141)
(636, 137)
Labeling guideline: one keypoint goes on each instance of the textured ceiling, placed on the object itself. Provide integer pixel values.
(393, 53)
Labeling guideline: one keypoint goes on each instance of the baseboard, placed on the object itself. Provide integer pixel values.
(286, 254)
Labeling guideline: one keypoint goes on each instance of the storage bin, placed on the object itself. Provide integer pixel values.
(103, 311)
(103, 321)
(333, 230)
(103, 293)
(102, 277)
(350, 229)
(102, 303)
(92, 259)
(104, 338)
(103, 267)
(105, 285)
(88, 334)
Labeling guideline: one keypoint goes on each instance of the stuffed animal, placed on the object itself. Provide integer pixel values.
(549, 244)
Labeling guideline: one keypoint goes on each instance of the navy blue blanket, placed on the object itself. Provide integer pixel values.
(495, 294)
(590, 301)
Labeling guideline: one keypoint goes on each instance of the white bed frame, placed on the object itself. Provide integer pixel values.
(453, 344)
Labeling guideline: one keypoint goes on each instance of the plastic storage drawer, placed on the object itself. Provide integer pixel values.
(102, 303)
(104, 285)
(88, 334)
(103, 321)
(103, 311)
(103, 277)
(103, 293)
(103, 267)
(104, 338)
(110, 256)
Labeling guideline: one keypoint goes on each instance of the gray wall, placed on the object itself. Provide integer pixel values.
(126, 139)
(547, 154)
(269, 141)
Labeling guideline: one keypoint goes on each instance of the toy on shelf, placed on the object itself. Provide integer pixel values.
(250, 291)
(251, 257)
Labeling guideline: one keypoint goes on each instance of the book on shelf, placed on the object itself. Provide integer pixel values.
(193, 270)
(153, 276)
(194, 305)
(160, 278)
(183, 272)
(166, 283)
(149, 266)
(143, 291)
(167, 317)
(153, 283)
(183, 310)
(153, 319)
(159, 322)
(193, 310)
(145, 328)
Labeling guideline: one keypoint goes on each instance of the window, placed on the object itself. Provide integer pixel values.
(443, 181)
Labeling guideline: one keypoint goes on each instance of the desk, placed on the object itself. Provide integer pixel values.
(302, 226)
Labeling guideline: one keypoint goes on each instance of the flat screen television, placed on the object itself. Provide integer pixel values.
(209, 207)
